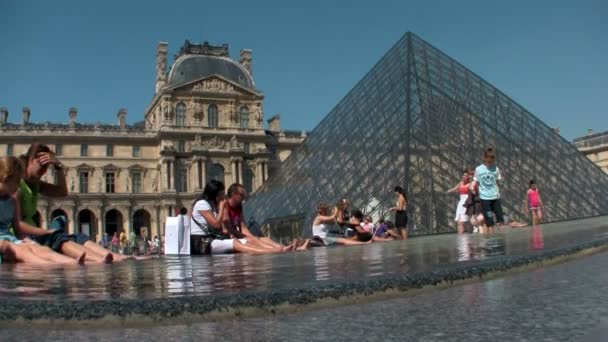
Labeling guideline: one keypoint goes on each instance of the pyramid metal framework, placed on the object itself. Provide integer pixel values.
(417, 119)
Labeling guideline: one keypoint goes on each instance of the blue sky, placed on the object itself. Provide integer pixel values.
(99, 56)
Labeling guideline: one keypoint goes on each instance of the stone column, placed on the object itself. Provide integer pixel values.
(240, 170)
(171, 175)
(44, 217)
(164, 178)
(265, 171)
(157, 212)
(233, 170)
(203, 170)
(99, 214)
(258, 174)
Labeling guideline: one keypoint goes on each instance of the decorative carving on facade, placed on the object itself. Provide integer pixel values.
(211, 143)
(195, 110)
(259, 114)
(234, 143)
(214, 86)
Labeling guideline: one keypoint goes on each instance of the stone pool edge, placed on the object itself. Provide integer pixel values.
(15, 312)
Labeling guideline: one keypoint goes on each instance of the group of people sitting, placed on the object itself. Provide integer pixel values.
(21, 240)
(217, 225)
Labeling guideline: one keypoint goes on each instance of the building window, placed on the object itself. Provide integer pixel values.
(136, 151)
(182, 180)
(58, 150)
(248, 180)
(110, 182)
(181, 146)
(83, 182)
(215, 171)
(244, 114)
(84, 150)
(246, 148)
(136, 180)
(213, 115)
(9, 149)
(180, 115)
(109, 150)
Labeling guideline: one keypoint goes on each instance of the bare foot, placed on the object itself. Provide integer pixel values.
(6, 251)
(80, 260)
(304, 246)
(108, 258)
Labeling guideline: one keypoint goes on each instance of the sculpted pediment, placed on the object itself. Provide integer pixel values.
(216, 85)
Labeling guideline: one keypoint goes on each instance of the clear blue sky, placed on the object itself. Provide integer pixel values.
(550, 56)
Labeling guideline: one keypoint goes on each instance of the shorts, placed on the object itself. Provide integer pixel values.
(364, 237)
(79, 238)
(201, 245)
(534, 208)
(401, 219)
(461, 211)
(10, 238)
(224, 246)
(54, 240)
(490, 207)
(330, 239)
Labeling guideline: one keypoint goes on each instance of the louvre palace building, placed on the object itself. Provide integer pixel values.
(205, 121)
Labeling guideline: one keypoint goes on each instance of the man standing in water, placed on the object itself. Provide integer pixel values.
(487, 175)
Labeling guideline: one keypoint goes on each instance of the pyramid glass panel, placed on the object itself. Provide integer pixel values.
(417, 119)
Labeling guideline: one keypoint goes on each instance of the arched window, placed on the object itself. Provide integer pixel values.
(244, 113)
(215, 171)
(212, 115)
(180, 115)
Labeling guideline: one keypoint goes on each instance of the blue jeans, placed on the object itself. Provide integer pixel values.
(60, 223)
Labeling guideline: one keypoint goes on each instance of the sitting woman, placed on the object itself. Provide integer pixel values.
(37, 161)
(324, 227)
(11, 248)
(207, 235)
(355, 224)
(385, 231)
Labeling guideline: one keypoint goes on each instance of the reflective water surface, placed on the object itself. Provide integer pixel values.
(204, 276)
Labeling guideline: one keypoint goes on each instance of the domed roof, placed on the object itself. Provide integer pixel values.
(192, 67)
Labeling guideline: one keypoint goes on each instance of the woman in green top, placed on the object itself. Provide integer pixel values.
(37, 160)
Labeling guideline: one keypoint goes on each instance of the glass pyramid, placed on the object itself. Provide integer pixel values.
(417, 119)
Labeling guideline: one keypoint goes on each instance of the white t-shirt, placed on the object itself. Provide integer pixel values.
(201, 205)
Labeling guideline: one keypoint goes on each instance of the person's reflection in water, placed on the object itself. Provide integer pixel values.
(179, 275)
(464, 247)
(321, 262)
(537, 238)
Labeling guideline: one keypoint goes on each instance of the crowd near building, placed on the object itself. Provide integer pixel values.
(595, 147)
(205, 121)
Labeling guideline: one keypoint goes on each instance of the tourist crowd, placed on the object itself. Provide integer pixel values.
(217, 222)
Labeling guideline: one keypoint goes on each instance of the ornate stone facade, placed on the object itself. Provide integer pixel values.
(595, 147)
(204, 122)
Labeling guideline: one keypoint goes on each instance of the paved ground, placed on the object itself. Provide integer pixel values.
(566, 302)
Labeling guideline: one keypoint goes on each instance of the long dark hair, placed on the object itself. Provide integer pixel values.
(212, 189)
(400, 190)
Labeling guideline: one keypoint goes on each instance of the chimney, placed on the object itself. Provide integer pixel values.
(590, 131)
(246, 60)
(26, 115)
(73, 112)
(274, 123)
(3, 116)
(161, 66)
(122, 117)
